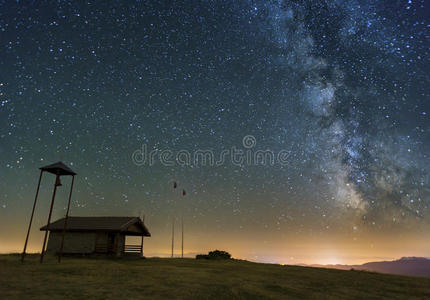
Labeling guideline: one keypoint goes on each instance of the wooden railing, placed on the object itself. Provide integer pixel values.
(132, 248)
(103, 248)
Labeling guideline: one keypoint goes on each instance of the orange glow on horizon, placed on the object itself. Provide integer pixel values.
(302, 251)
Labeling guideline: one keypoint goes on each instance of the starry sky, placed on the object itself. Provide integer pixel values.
(342, 87)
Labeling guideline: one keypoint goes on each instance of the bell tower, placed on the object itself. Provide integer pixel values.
(58, 169)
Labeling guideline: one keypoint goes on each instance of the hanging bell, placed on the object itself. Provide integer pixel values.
(58, 181)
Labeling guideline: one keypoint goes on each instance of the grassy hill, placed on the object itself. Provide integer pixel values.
(163, 278)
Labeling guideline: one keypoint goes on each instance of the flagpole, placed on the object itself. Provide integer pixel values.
(182, 223)
(173, 220)
(182, 247)
(173, 234)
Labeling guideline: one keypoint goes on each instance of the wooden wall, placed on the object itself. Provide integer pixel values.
(74, 242)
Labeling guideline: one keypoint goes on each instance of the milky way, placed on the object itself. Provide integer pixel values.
(342, 86)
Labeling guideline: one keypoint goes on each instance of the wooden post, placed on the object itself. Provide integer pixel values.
(31, 218)
(49, 218)
(141, 247)
(116, 247)
(65, 221)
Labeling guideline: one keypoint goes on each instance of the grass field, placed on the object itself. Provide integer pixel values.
(163, 278)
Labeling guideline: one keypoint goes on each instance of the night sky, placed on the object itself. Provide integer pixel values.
(341, 88)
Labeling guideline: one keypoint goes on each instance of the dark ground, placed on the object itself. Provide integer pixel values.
(164, 278)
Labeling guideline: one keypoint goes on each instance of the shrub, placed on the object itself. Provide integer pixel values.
(217, 254)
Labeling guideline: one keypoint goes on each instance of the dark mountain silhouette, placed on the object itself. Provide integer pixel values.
(413, 266)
